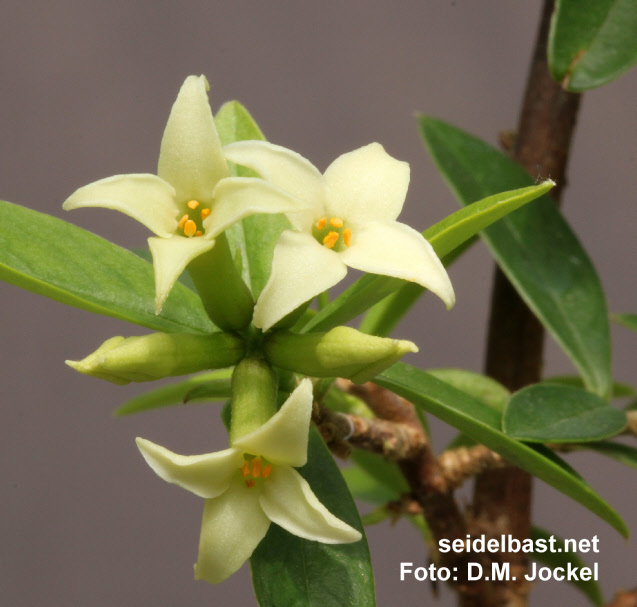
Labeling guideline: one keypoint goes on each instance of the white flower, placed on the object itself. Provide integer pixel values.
(192, 198)
(354, 206)
(250, 485)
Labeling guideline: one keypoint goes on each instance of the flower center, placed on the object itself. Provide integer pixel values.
(333, 234)
(254, 469)
(192, 223)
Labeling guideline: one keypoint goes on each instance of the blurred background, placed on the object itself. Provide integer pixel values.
(85, 91)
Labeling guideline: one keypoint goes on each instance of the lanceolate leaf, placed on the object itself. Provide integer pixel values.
(535, 248)
(560, 557)
(444, 237)
(624, 454)
(628, 320)
(592, 41)
(177, 393)
(260, 232)
(482, 423)
(288, 570)
(66, 263)
(548, 413)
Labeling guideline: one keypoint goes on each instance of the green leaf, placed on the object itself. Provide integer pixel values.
(288, 570)
(175, 394)
(260, 232)
(363, 486)
(624, 454)
(559, 557)
(591, 42)
(628, 320)
(618, 389)
(548, 413)
(444, 237)
(535, 248)
(77, 268)
(478, 386)
(482, 423)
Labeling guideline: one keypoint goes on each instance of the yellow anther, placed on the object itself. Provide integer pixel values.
(347, 237)
(198, 233)
(321, 223)
(245, 469)
(335, 222)
(182, 221)
(256, 467)
(250, 482)
(267, 470)
(205, 212)
(330, 240)
(193, 204)
(190, 228)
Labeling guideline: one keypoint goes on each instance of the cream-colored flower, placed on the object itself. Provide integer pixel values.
(249, 486)
(192, 199)
(351, 222)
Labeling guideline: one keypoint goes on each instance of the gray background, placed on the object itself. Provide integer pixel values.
(85, 90)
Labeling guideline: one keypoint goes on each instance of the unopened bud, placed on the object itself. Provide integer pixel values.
(122, 360)
(341, 352)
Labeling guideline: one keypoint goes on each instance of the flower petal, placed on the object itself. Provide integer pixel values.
(288, 501)
(205, 475)
(232, 526)
(366, 185)
(170, 258)
(283, 438)
(301, 269)
(394, 249)
(146, 198)
(286, 169)
(239, 197)
(191, 159)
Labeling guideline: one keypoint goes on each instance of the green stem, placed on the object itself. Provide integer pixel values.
(226, 298)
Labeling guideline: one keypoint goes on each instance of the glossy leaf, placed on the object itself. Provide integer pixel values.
(77, 268)
(548, 413)
(628, 320)
(176, 393)
(288, 570)
(591, 42)
(478, 386)
(363, 486)
(535, 248)
(559, 557)
(260, 232)
(482, 423)
(444, 237)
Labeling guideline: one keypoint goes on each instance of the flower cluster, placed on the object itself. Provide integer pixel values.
(343, 218)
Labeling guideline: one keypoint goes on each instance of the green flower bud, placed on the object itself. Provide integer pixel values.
(341, 352)
(254, 392)
(122, 360)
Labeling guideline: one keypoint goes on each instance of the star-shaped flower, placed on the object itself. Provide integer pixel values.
(251, 485)
(351, 222)
(192, 198)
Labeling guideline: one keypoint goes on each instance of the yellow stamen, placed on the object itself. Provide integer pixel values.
(193, 204)
(250, 482)
(190, 228)
(330, 240)
(321, 223)
(335, 222)
(182, 221)
(198, 233)
(256, 467)
(245, 469)
(347, 236)
(267, 470)
(205, 212)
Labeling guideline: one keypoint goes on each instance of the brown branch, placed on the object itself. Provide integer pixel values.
(502, 498)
